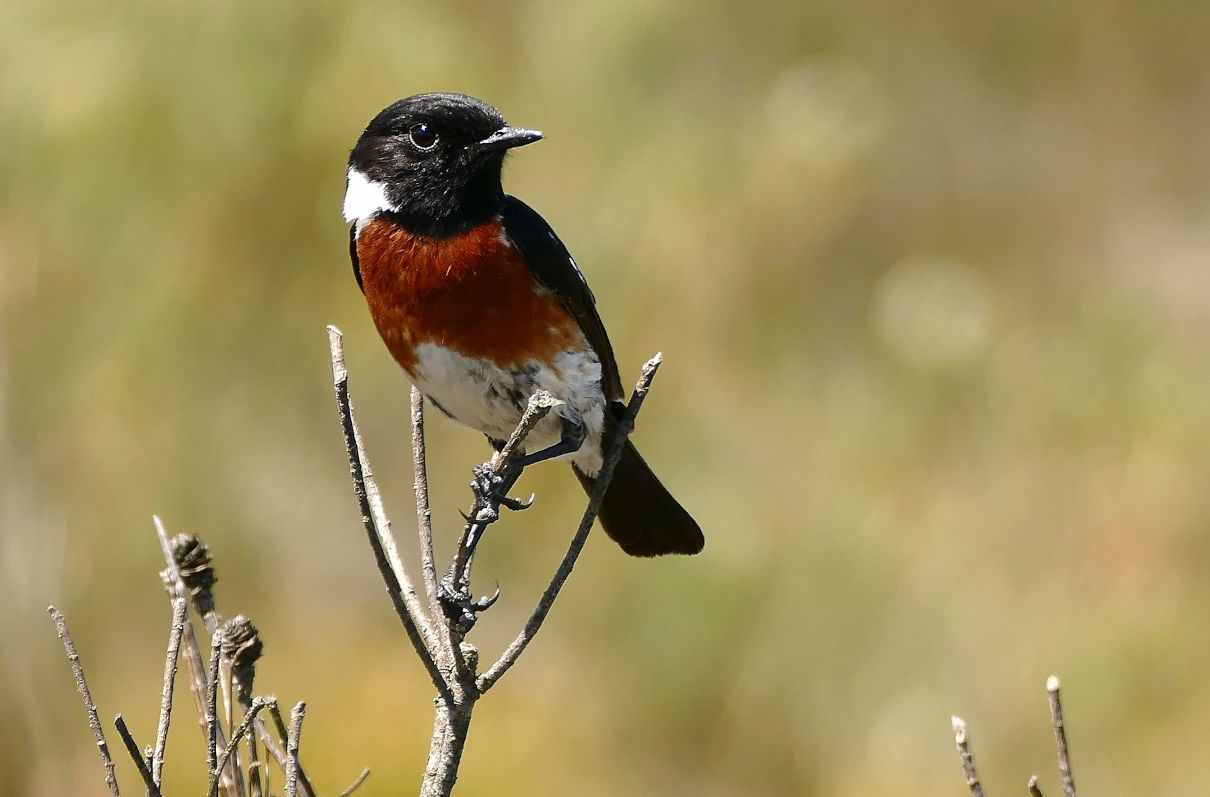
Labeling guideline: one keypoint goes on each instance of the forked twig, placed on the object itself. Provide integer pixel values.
(284, 735)
(510, 655)
(1056, 717)
(486, 509)
(77, 671)
(378, 529)
(439, 640)
(257, 705)
(132, 747)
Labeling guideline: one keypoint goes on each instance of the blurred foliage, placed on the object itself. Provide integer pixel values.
(933, 285)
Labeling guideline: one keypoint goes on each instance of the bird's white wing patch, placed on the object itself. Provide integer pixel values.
(364, 197)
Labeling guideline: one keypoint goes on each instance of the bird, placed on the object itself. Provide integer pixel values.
(481, 304)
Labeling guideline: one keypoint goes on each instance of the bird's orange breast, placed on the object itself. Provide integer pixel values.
(471, 293)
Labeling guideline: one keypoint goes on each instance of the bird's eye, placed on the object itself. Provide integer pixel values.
(423, 137)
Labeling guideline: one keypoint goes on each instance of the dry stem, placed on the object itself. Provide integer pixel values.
(967, 757)
(132, 747)
(1056, 718)
(77, 671)
(179, 605)
(296, 720)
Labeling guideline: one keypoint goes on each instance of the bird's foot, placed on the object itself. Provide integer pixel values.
(460, 607)
(491, 491)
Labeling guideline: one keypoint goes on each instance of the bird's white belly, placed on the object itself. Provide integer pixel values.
(491, 399)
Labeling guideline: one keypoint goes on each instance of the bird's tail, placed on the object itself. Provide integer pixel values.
(640, 515)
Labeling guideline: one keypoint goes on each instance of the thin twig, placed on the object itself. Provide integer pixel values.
(355, 785)
(449, 648)
(378, 529)
(257, 704)
(284, 735)
(968, 758)
(132, 747)
(296, 720)
(1056, 718)
(179, 605)
(212, 708)
(510, 655)
(225, 682)
(254, 766)
(1034, 789)
(77, 671)
(277, 749)
(424, 515)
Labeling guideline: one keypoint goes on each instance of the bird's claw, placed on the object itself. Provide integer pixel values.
(518, 504)
(491, 490)
(461, 609)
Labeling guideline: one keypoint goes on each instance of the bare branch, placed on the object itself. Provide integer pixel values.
(170, 664)
(968, 758)
(450, 652)
(77, 671)
(1034, 790)
(355, 785)
(534, 624)
(378, 529)
(212, 708)
(257, 705)
(486, 509)
(132, 747)
(1056, 718)
(296, 720)
(276, 748)
(424, 515)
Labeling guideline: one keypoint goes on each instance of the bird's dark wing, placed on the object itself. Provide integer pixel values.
(353, 255)
(553, 266)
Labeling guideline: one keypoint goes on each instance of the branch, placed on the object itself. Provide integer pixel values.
(279, 751)
(170, 664)
(355, 785)
(378, 528)
(296, 720)
(1034, 790)
(451, 652)
(600, 486)
(257, 704)
(212, 729)
(968, 758)
(491, 483)
(424, 515)
(1056, 718)
(132, 747)
(77, 671)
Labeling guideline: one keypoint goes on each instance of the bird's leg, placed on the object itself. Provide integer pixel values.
(491, 487)
(571, 437)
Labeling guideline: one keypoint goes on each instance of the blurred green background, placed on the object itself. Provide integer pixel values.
(933, 287)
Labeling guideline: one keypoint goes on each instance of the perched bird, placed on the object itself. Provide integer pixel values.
(481, 304)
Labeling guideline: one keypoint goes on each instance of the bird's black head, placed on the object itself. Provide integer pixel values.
(431, 161)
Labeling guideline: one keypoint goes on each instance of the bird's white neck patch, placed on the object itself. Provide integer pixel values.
(364, 197)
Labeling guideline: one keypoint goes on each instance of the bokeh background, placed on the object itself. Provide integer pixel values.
(932, 281)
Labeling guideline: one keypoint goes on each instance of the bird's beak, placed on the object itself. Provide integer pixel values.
(507, 138)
